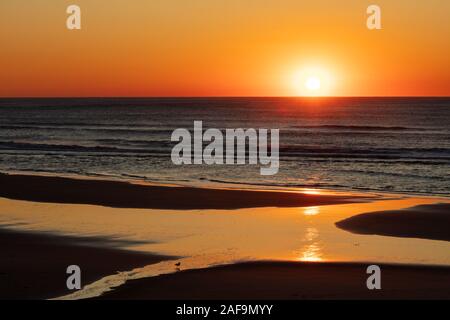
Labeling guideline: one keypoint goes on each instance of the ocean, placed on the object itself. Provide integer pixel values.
(397, 145)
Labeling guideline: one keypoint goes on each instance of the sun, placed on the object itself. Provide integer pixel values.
(312, 81)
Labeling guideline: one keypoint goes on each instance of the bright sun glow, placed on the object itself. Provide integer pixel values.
(312, 81)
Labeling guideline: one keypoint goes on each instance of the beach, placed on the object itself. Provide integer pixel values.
(424, 221)
(86, 222)
(33, 265)
(127, 195)
(289, 281)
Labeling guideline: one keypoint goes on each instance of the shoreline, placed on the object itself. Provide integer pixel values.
(222, 185)
(279, 280)
(118, 194)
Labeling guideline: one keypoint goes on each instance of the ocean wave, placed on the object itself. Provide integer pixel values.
(369, 160)
(163, 147)
(293, 150)
(128, 130)
(333, 186)
(361, 128)
(23, 146)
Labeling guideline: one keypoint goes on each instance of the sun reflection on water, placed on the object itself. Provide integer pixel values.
(313, 250)
(311, 211)
(311, 191)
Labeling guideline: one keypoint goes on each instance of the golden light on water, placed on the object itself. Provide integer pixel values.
(312, 251)
(311, 191)
(311, 211)
(311, 234)
(233, 237)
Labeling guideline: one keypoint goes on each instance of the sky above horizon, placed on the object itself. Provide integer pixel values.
(223, 48)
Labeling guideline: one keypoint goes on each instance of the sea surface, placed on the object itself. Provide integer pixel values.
(378, 144)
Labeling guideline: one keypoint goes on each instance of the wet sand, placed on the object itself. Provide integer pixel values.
(290, 281)
(33, 265)
(127, 195)
(423, 221)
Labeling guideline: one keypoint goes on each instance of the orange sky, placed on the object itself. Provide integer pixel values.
(222, 47)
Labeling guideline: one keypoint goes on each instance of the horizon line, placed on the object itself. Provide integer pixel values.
(216, 97)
